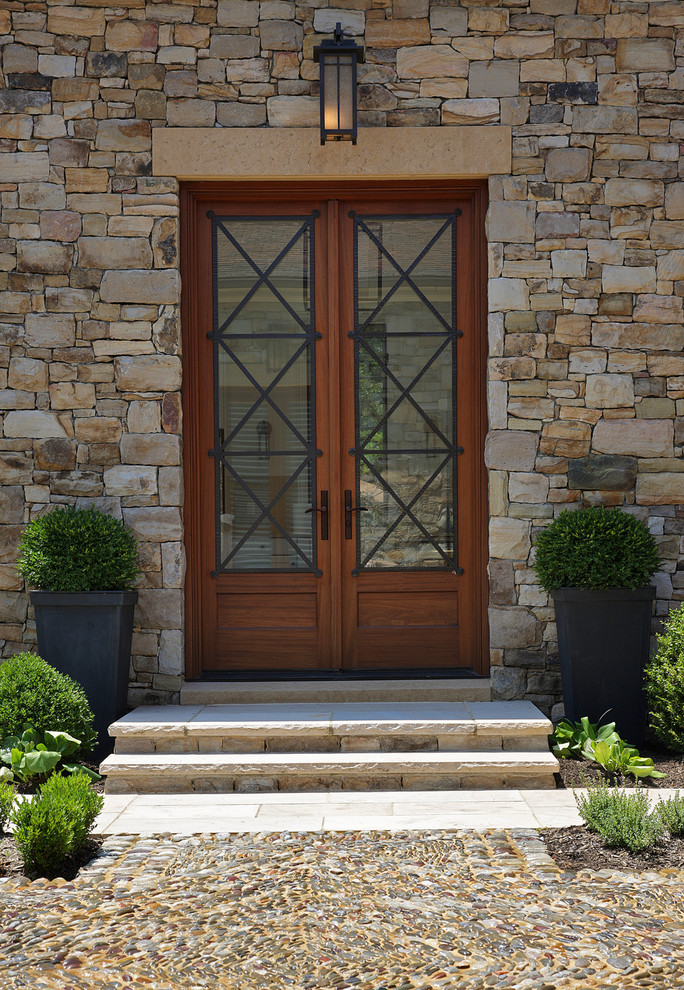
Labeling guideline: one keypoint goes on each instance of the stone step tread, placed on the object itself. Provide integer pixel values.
(315, 691)
(326, 763)
(510, 718)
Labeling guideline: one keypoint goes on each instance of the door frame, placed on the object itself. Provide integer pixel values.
(193, 197)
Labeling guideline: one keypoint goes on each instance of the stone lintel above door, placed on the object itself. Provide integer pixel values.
(294, 153)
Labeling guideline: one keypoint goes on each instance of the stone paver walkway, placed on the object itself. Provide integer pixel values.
(340, 910)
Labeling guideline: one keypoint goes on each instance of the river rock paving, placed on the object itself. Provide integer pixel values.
(364, 910)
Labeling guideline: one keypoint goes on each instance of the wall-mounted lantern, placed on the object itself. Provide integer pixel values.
(338, 57)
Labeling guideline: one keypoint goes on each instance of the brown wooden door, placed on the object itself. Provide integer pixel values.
(334, 390)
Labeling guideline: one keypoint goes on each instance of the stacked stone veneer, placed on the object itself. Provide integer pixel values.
(586, 250)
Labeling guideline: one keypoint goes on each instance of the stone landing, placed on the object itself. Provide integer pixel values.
(345, 745)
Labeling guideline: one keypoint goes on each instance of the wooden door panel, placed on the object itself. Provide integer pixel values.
(345, 616)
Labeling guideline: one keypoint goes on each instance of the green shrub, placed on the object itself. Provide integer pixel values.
(620, 818)
(34, 693)
(81, 803)
(665, 683)
(76, 550)
(44, 835)
(56, 823)
(672, 815)
(6, 799)
(595, 548)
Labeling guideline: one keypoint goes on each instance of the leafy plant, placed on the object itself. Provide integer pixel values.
(568, 739)
(617, 756)
(664, 682)
(6, 801)
(621, 819)
(78, 550)
(672, 815)
(56, 823)
(34, 755)
(34, 693)
(82, 803)
(595, 548)
(44, 834)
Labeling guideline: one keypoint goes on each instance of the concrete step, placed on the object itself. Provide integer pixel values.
(361, 745)
(254, 772)
(329, 692)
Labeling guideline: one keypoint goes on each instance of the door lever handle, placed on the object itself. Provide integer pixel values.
(323, 509)
(348, 509)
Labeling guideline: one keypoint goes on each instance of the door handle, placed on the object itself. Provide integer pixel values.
(323, 509)
(348, 509)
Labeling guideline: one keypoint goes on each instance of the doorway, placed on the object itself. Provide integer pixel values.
(334, 354)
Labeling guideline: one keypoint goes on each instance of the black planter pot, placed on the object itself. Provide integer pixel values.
(603, 641)
(88, 636)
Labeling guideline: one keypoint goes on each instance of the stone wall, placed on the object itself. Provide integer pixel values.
(586, 375)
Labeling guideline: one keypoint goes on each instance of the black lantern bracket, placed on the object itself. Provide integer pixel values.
(338, 57)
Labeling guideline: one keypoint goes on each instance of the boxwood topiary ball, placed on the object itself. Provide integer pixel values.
(595, 548)
(78, 550)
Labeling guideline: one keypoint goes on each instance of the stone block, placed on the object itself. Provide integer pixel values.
(632, 336)
(34, 423)
(156, 449)
(282, 35)
(397, 33)
(510, 450)
(60, 225)
(13, 608)
(247, 70)
(154, 524)
(293, 111)
(16, 469)
(11, 504)
(191, 113)
(107, 64)
(128, 36)
(352, 21)
(557, 225)
(512, 629)
(241, 114)
(634, 192)
(651, 308)
(50, 330)
(506, 294)
(573, 92)
(449, 21)
(623, 278)
(150, 104)
(483, 111)
(609, 391)
(159, 608)
(19, 58)
(430, 62)
(667, 233)
(24, 167)
(634, 437)
(602, 472)
(140, 287)
(55, 455)
(24, 101)
(43, 257)
(511, 221)
(27, 374)
(72, 395)
(528, 487)
(499, 78)
(238, 13)
(123, 135)
(604, 120)
(569, 264)
(509, 539)
(81, 22)
(501, 582)
(148, 373)
(171, 656)
(98, 429)
(114, 252)
(170, 486)
(674, 201)
(568, 164)
(644, 55)
(660, 489)
(525, 45)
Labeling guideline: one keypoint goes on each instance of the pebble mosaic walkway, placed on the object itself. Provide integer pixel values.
(341, 910)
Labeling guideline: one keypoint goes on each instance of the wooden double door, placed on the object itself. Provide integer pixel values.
(333, 404)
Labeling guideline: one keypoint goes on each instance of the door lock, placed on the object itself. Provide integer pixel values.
(323, 509)
(348, 509)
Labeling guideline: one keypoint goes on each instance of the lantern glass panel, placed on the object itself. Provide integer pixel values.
(338, 90)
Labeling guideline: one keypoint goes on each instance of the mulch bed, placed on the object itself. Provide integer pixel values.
(580, 773)
(576, 848)
(11, 864)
